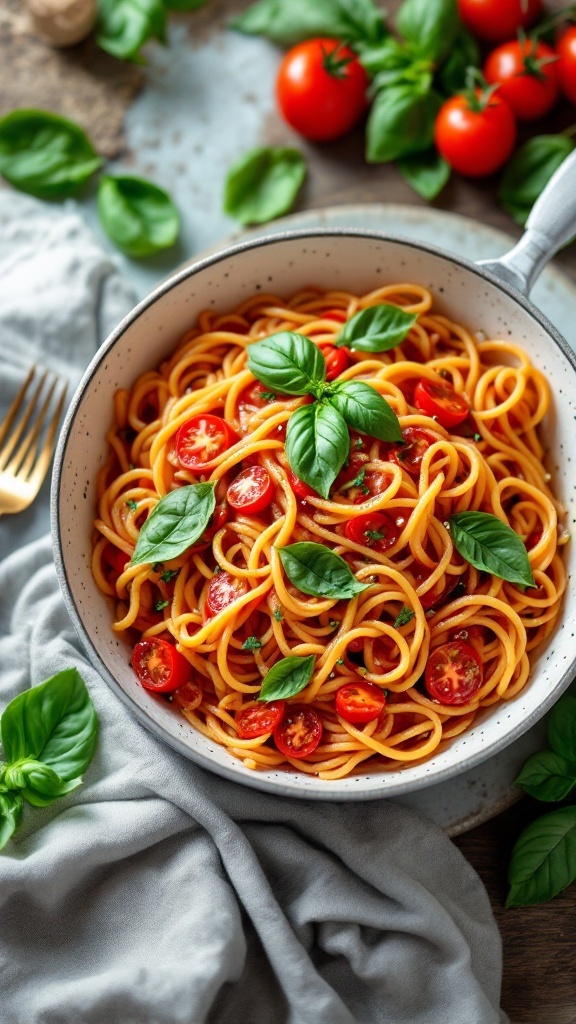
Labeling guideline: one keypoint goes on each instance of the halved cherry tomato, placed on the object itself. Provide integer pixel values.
(299, 732)
(159, 666)
(566, 49)
(474, 141)
(409, 456)
(435, 594)
(201, 439)
(189, 696)
(223, 590)
(259, 719)
(251, 491)
(337, 360)
(115, 559)
(301, 490)
(497, 20)
(439, 399)
(359, 702)
(453, 673)
(374, 530)
(257, 395)
(526, 74)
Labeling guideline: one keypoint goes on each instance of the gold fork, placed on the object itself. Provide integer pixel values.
(25, 454)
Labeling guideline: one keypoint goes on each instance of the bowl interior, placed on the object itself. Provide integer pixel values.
(282, 265)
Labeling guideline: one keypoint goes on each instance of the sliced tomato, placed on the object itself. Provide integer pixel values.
(440, 400)
(257, 395)
(115, 559)
(159, 666)
(301, 490)
(409, 455)
(201, 439)
(337, 360)
(401, 515)
(453, 673)
(189, 696)
(251, 491)
(435, 594)
(374, 530)
(359, 702)
(299, 732)
(223, 590)
(259, 719)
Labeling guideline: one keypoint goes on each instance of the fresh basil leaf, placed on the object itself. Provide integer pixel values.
(388, 56)
(427, 173)
(45, 154)
(401, 122)
(376, 329)
(291, 21)
(547, 776)
(125, 25)
(184, 5)
(317, 444)
(54, 722)
(10, 811)
(365, 410)
(465, 53)
(562, 727)
(178, 520)
(318, 571)
(287, 362)
(544, 859)
(491, 546)
(263, 184)
(529, 170)
(430, 26)
(405, 615)
(287, 677)
(40, 785)
(139, 217)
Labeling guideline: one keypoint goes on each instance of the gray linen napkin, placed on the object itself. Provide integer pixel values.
(157, 893)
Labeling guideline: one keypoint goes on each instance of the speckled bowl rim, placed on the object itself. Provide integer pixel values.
(392, 787)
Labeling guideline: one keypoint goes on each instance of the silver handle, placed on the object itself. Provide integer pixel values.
(551, 224)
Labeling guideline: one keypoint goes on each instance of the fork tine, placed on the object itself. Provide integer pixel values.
(38, 471)
(23, 459)
(7, 452)
(15, 407)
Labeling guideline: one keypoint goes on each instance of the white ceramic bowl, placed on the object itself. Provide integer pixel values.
(357, 261)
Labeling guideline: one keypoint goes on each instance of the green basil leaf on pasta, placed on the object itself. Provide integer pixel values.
(529, 170)
(376, 329)
(404, 616)
(288, 22)
(562, 727)
(317, 444)
(429, 26)
(44, 154)
(491, 546)
(139, 217)
(547, 776)
(318, 571)
(365, 410)
(178, 521)
(287, 678)
(125, 25)
(10, 812)
(427, 173)
(544, 859)
(263, 184)
(465, 53)
(287, 362)
(401, 122)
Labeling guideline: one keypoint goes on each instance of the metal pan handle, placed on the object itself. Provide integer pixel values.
(551, 224)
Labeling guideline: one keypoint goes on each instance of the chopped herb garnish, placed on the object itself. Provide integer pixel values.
(340, 661)
(278, 614)
(217, 568)
(158, 566)
(477, 437)
(169, 574)
(358, 481)
(358, 443)
(333, 624)
(269, 396)
(160, 605)
(132, 504)
(373, 535)
(251, 644)
(405, 615)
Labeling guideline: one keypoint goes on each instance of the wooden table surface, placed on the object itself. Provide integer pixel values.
(539, 985)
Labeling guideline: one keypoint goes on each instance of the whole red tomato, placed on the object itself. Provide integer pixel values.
(321, 89)
(566, 49)
(528, 77)
(475, 133)
(497, 20)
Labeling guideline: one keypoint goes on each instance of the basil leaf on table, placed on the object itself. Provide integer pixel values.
(491, 546)
(317, 444)
(287, 678)
(138, 216)
(287, 362)
(125, 25)
(401, 122)
(288, 22)
(318, 571)
(562, 727)
(44, 154)
(376, 329)
(263, 184)
(544, 859)
(39, 784)
(547, 776)
(10, 813)
(430, 26)
(178, 520)
(529, 170)
(427, 173)
(364, 409)
(465, 53)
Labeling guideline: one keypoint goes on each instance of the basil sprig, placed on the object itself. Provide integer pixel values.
(44, 154)
(263, 184)
(287, 362)
(376, 329)
(49, 735)
(429, 27)
(317, 445)
(287, 678)
(551, 774)
(137, 215)
(318, 571)
(290, 21)
(491, 546)
(529, 170)
(178, 520)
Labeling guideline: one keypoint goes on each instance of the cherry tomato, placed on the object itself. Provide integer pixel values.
(321, 89)
(251, 491)
(473, 635)
(202, 439)
(299, 732)
(159, 666)
(359, 702)
(356, 645)
(435, 594)
(189, 696)
(115, 559)
(475, 142)
(528, 77)
(534, 538)
(301, 490)
(409, 456)
(223, 589)
(337, 360)
(260, 719)
(439, 399)
(566, 49)
(453, 673)
(497, 20)
(256, 395)
(374, 530)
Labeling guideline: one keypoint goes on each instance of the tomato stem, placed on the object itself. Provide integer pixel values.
(335, 62)
(532, 64)
(477, 92)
